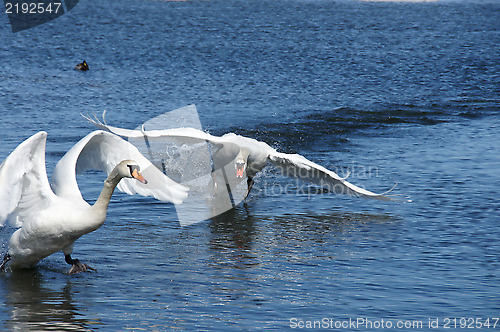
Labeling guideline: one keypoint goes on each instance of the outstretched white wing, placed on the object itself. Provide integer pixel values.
(102, 151)
(295, 165)
(223, 151)
(193, 134)
(24, 187)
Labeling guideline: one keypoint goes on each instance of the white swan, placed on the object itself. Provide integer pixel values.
(252, 156)
(52, 218)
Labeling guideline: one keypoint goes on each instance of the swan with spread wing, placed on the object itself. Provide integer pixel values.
(51, 217)
(252, 156)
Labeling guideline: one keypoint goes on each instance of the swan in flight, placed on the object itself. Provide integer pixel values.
(51, 217)
(251, 157)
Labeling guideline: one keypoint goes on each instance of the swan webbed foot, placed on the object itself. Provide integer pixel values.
(77, 266)
(80, 267)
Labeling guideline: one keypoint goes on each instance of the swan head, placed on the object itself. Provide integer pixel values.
(240, 165)
(130, 169)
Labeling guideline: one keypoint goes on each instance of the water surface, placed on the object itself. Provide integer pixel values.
(393, 93)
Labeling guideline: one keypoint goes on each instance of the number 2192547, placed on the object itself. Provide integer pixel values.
(32, 8)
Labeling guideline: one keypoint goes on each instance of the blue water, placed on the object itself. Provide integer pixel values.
(403, 93)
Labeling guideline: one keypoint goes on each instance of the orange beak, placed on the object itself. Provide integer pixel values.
(239, 173)
(137, 175)
(240, 169)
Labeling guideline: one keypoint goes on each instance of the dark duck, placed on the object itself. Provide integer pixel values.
(82, 66)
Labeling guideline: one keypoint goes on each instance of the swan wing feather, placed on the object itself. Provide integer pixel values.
(224, 150)
(24, 187)
(102, 151)
(295, 165)
(193, 134)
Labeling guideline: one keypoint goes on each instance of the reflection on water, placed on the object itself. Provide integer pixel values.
(249, 255)
(231, 240)
(39, 302)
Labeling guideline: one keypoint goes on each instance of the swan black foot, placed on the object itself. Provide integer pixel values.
(5, 260)
(250, 183)
(77, 266)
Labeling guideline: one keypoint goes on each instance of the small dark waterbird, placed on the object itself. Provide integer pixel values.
(82, 66)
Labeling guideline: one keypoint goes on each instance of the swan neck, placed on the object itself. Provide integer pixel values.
(107, 191)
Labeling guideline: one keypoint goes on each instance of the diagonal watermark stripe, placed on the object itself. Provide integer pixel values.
(194, 163)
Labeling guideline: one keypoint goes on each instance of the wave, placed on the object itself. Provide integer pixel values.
(333, 127)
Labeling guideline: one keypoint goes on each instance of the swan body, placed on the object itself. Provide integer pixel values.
(52, 218)
(251, 157)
